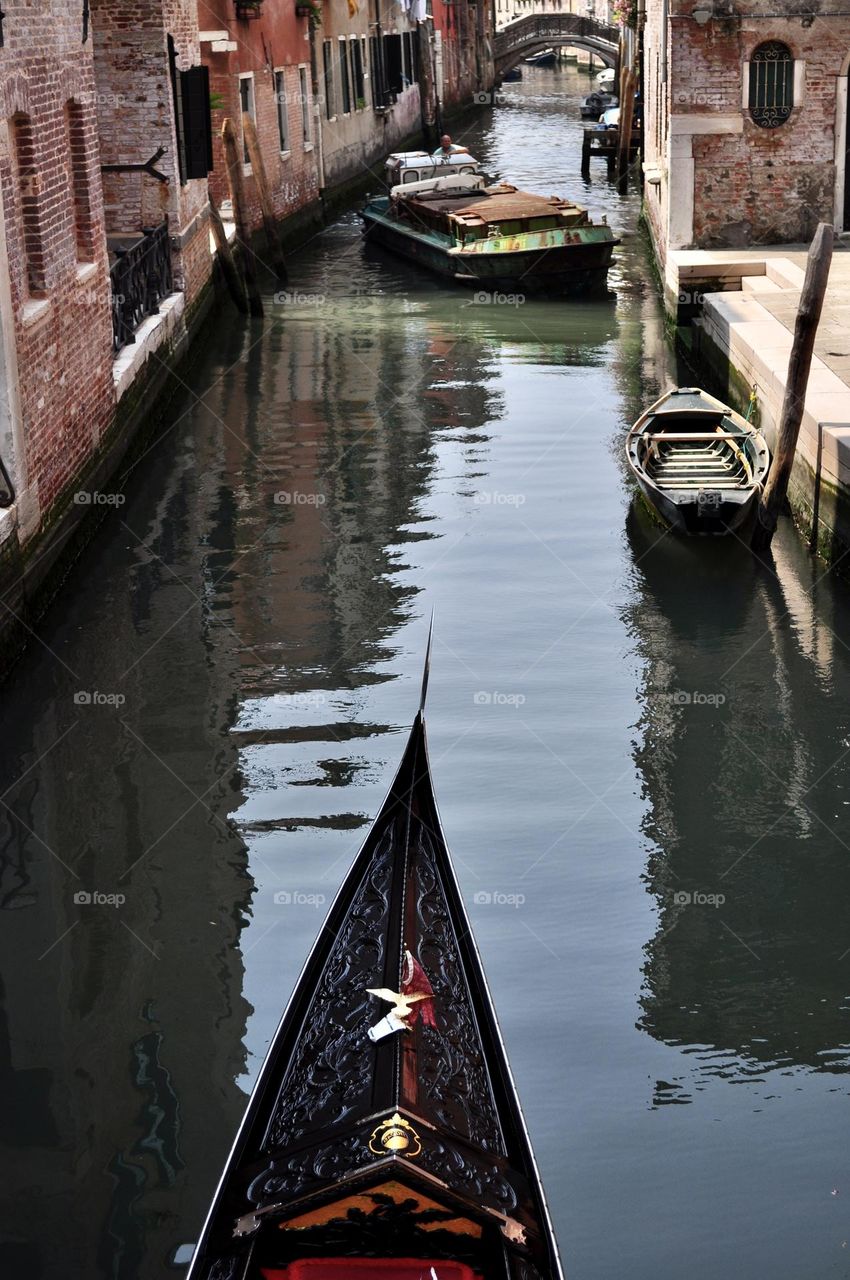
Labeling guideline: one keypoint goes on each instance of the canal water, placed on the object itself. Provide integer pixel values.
(641, 749)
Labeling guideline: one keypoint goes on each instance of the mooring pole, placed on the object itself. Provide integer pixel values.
(233, 161)
(255, 155)
(799, 364)
(624, 137)
(230, 271)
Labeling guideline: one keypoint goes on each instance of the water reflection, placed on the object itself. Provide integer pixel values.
(745, 759)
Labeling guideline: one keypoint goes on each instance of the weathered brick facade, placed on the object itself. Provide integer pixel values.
(136, 116)
(57, 304)
(272, 54)
(715, 177)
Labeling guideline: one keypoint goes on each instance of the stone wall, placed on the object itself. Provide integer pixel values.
(715, 177)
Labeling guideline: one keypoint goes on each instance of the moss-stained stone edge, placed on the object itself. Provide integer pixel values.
(833, 532)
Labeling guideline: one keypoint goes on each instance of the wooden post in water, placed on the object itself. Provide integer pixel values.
(233, 162)
(799, 364)
(627, 115)
(230, 271)
(273, 245)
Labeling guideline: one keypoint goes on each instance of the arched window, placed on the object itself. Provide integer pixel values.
(771, 84)
(80, 187)
(29, 190)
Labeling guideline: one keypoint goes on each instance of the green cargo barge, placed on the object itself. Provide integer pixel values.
(490, 237)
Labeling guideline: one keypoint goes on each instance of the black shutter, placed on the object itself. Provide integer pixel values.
(392, 51)
(196, 137)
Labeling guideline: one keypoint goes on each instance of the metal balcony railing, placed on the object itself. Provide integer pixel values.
(141, 277)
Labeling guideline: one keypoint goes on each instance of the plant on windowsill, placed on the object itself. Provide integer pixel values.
(247, 9)
(309, 9)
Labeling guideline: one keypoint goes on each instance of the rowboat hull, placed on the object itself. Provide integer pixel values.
(576, 267)
(389, 1152)
(698, 464)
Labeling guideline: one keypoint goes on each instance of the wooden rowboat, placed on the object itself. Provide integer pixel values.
(697, 462)
(384, 1138)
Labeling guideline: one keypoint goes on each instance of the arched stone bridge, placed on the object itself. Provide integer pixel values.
(546, 31)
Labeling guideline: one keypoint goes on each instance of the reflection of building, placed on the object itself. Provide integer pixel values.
(742, 753)
(745, 112)
(121, 1026)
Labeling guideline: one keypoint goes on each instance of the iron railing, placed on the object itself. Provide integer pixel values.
(141, 277)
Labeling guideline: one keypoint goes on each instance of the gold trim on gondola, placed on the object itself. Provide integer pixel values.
(395, 1136)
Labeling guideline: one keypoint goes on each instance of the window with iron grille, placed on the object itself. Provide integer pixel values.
(771, 95)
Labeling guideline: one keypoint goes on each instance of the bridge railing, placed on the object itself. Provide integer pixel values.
(553, 26)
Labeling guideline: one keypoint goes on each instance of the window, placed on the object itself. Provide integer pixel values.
(28, 185)
(357, 85)
(305, 102)
(771, 89)
(344, 83)
(80, 186)
(376, 72)
(280, 103)
(393, 62)
(327, 66)
(246, 100)
(407, 45)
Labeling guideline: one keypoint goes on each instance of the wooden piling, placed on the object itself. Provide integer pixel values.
(233, 163)
(274, 249)
(230, 271)
(799, 364)
(624, 148)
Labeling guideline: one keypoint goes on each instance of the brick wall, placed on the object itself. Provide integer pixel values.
(276, 42)
(61, 314)
(136, 116)
(751, 185)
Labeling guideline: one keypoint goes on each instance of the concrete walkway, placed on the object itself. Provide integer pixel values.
(748, 306)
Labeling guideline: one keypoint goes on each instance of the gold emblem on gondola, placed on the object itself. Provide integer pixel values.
(395, 1136)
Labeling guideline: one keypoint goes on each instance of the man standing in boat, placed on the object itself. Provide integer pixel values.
(446, 148)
